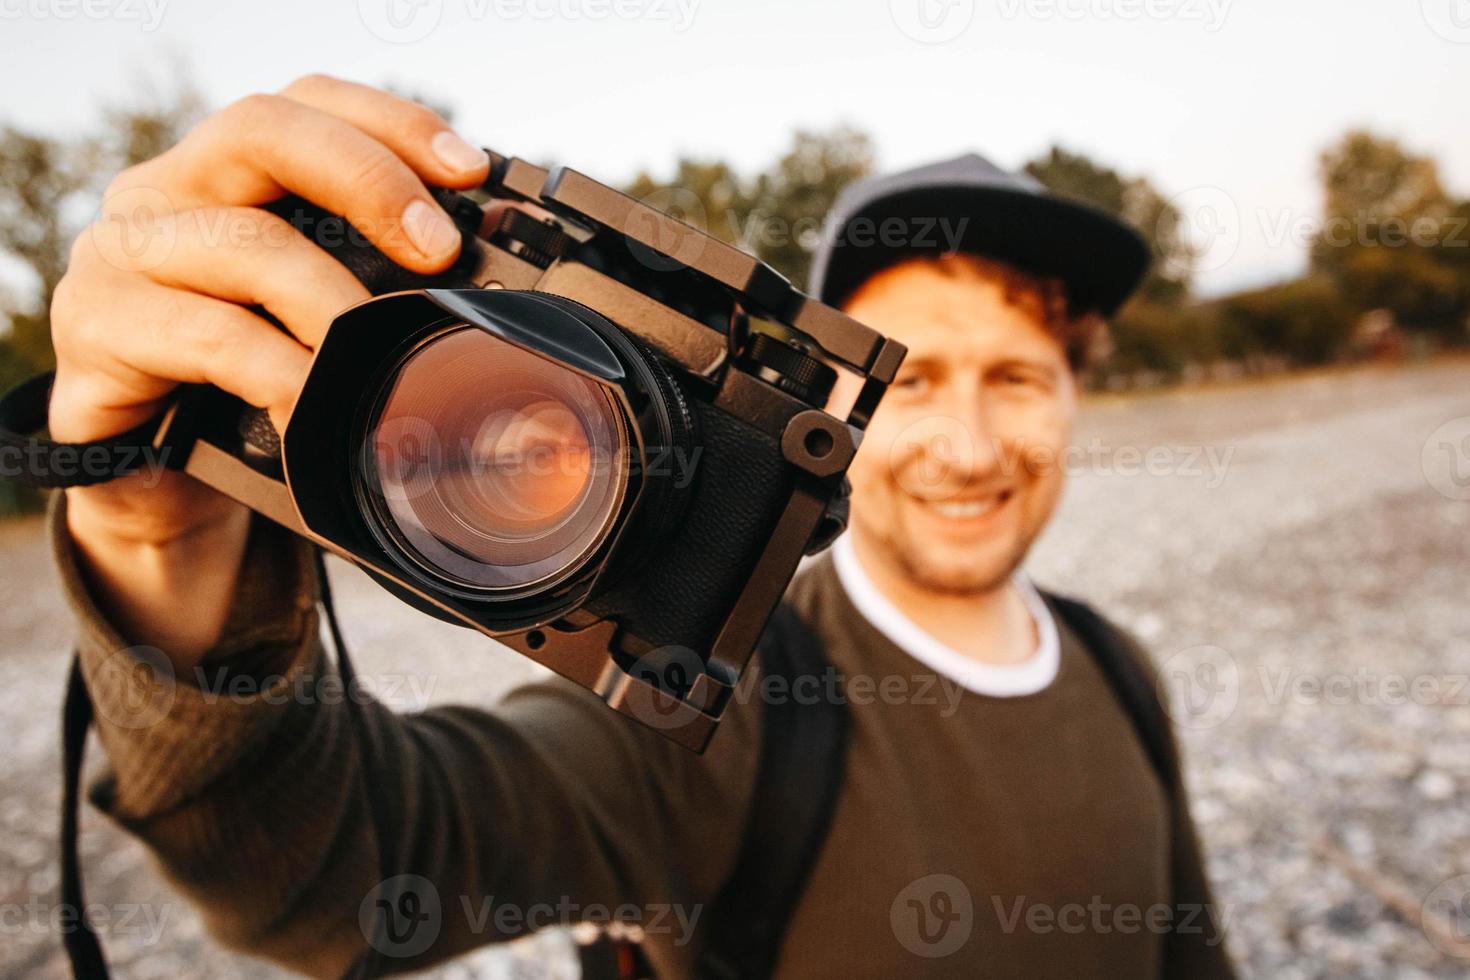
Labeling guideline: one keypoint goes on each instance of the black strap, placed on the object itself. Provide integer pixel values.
(368, 963)
(802, 769)
(82, 947)
(34, 461)
(1131, 684)
(44, 463)
(802, 765)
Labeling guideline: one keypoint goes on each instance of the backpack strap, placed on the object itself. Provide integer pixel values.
(1131, 684)
(802, 768)
(802, 764)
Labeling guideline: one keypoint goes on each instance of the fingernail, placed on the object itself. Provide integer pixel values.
(429, 229)
(456, 154)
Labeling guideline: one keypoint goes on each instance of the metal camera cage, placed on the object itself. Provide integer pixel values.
(817, 442)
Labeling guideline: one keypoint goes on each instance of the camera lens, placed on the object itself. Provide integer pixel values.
(491, 467)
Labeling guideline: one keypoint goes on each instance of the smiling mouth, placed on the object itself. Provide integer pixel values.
(971, 509)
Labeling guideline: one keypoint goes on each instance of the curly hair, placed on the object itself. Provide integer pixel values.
(1082, 334)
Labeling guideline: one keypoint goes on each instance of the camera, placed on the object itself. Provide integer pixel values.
(602, 437)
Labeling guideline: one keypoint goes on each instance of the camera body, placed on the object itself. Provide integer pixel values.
(714, 410)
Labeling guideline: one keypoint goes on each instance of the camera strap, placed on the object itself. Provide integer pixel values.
(83, 948)
(44, 464)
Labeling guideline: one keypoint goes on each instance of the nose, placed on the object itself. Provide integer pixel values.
(956, 444)
(976, 411)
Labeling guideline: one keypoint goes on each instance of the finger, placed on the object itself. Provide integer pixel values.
(121, 357)
(243, 255)
(265, 145)
(417, 134)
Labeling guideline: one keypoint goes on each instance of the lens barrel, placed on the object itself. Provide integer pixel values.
(505, 448)
(493, 467)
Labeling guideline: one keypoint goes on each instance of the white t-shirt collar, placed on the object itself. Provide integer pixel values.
(995, 680)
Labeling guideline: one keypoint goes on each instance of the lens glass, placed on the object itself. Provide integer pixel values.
(493, 467)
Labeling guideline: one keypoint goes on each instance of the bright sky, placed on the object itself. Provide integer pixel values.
(1224, 102)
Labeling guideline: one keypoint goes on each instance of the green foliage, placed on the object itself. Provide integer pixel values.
(1156, 331)
(1391, 237)
(41, 181)
(776, 214)
(1139, 204)
(45, 183)
(1307, 320)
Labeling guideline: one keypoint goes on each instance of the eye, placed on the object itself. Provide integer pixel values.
(1021, 377)
(911, 383)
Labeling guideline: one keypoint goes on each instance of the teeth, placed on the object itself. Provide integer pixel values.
(966, 508)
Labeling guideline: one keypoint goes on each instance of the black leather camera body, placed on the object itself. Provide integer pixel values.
(602, 437)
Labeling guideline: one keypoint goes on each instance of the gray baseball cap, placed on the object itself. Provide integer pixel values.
(970, 205)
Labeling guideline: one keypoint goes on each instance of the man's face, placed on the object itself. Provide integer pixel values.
(960, 468)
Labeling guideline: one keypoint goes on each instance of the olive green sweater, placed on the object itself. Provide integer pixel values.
(974, 836)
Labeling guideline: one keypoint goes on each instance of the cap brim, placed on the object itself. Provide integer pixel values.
(1099, 258)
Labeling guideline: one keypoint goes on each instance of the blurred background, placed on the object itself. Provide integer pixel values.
(1275, 461)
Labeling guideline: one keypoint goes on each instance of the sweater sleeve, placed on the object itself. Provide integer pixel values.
(245, 780)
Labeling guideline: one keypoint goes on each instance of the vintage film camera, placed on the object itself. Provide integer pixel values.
(603, 437)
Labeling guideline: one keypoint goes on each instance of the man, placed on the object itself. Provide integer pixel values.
(1012, 827)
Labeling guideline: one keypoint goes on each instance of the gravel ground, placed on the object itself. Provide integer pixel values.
(1296, 554)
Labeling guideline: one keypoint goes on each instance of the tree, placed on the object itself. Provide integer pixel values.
(1139, 204)
(44, 183)
(794, 197)
(777, 214)
(1306, 321)
(1391, 238)
(1154, 331)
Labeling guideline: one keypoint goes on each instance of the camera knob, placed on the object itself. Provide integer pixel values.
(537, 242)
(789, 368)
